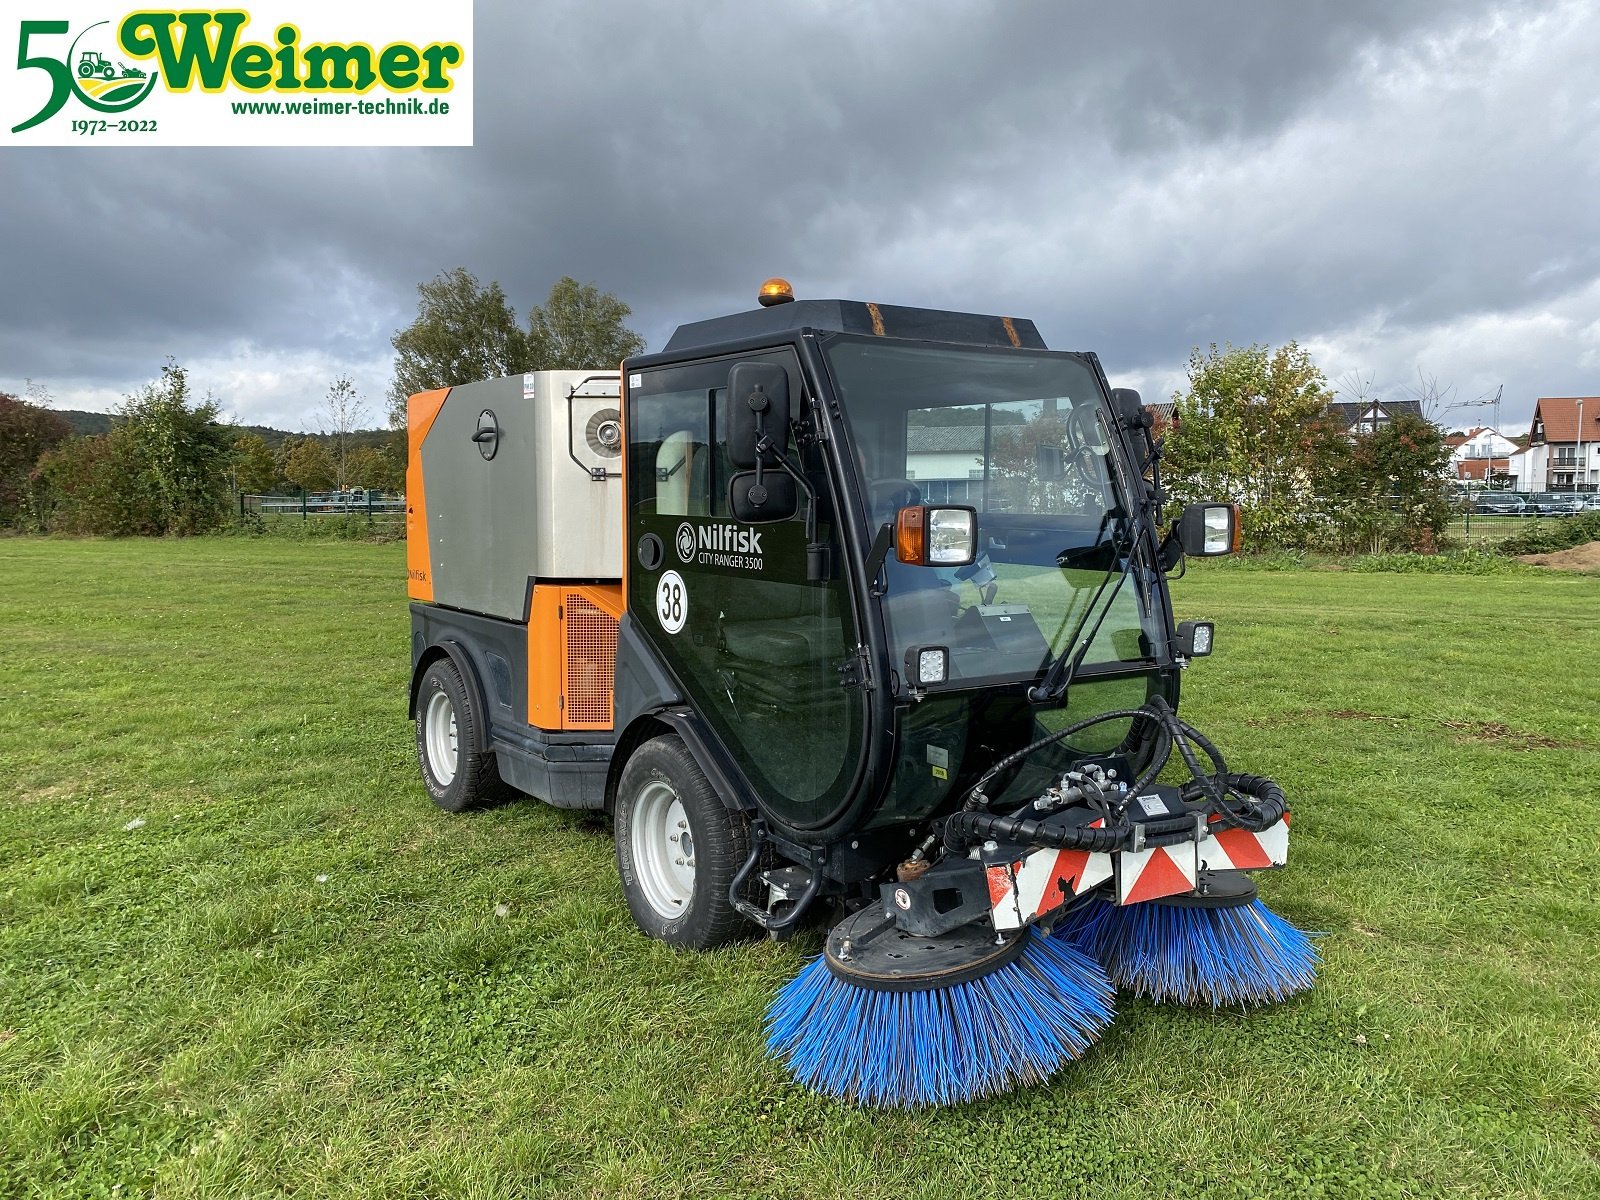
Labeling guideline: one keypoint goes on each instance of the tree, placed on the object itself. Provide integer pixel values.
(344, 409)
(466, 331)
(1430, 397)
(27, 431)
(1392, 488)
(182, 451)
(308, 465)
(254, 468)
(1254, 427)
(371, 468)
(580, 327)
(463, 332)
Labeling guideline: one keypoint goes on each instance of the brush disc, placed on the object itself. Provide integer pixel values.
(883, 1020)
(1218, 949)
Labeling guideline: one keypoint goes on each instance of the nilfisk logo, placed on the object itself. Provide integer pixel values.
(719, 546)
(341, 73)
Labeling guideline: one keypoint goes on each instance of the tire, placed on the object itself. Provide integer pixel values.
(663, 799)
(458, 769)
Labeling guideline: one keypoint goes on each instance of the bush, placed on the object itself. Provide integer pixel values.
(162, 469)
(27, 431)
(350, 528)
(1547, 536)
(96, 485)
(1460, 562)
(1271, 560)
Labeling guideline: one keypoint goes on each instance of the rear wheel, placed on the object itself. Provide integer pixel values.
(458, 769)
(678, 848)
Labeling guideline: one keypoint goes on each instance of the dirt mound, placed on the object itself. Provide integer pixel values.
(1580, 558)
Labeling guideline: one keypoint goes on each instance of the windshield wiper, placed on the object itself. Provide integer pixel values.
(1058, 678)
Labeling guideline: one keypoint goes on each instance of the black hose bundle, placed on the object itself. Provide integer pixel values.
(1250, 802)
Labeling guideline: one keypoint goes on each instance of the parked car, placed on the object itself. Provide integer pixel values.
(1553, 503)
(1505, 504)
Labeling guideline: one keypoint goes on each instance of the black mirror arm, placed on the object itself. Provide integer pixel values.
(817, 565)
(876, 556)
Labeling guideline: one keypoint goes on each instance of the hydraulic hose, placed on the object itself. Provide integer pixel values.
(1265, 802)
(962, 829)
(1249, 802)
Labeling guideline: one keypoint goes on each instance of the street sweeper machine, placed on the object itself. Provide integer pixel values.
(856, 614)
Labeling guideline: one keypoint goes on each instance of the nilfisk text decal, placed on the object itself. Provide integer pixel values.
(719, 545)
(334, 73)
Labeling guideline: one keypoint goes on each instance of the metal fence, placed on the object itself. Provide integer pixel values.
(1487, 529)
(306, 505)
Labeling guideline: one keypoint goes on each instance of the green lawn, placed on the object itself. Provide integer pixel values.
(241, 955)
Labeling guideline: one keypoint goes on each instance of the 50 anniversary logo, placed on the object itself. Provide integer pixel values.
(217, 78)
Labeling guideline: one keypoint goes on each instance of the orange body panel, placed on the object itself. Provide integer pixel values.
(572, 655)
(546, 644)
(421, 410)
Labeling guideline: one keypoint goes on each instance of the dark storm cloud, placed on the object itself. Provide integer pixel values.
(1383, 180)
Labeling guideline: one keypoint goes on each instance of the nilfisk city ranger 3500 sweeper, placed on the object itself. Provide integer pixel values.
(861, 611)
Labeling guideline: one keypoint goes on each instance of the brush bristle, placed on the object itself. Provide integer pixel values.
(1012, 1027)
(1216, 956)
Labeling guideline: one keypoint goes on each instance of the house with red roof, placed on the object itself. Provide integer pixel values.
(1479, 453)
(1563, 453)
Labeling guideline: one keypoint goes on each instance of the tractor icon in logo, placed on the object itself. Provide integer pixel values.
(101, 81)
(686, 542)
(94, 63)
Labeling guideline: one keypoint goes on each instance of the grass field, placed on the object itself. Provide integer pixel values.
(241, 955)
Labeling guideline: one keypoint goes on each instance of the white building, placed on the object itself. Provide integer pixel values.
(1563, 451)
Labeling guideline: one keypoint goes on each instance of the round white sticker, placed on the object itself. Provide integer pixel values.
(672, 602)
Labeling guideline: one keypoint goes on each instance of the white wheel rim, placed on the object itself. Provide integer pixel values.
(439, 735)
(663, 849)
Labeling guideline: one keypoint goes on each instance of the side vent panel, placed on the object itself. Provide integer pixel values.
(591, 663)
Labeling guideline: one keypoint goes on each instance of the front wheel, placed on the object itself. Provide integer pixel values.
(678, 848)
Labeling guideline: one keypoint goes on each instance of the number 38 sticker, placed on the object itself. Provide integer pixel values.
(672, 602)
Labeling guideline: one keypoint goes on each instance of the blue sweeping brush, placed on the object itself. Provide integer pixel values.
(1222, 948)
(892, 1021)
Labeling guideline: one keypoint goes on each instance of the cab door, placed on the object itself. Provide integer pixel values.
(756, 646)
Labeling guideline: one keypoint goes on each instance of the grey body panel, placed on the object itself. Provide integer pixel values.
(531, 511)
(478, 560)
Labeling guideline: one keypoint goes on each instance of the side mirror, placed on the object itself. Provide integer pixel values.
(762, 501)
(1128, 405)
(758, 405)
(1207, 530)
(947, 536)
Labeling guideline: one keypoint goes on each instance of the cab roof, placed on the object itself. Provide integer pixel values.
(856, 316)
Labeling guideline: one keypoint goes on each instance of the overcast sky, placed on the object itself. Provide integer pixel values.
(1397, 185)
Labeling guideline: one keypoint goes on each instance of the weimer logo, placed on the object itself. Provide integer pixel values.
(89, 72)
(227, 77)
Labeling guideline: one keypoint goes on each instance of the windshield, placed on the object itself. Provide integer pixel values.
(1020, 436)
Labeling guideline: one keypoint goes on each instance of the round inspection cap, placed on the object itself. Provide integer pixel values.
(867, 950)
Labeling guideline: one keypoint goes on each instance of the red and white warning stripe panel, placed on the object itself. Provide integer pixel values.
(1023, 891)
(1157, 872)
(1241, 850)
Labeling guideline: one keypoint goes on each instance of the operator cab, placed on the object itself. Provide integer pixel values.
(872, 545)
